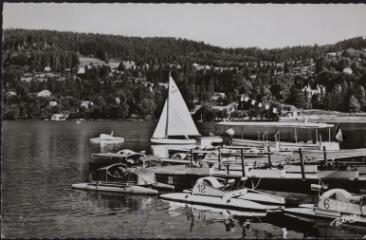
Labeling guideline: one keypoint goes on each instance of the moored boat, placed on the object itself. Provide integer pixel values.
(336, 205)
(217, 192)
(175, 125)
(119, 178)
(125, 156)
(107, 139)
(315, 143)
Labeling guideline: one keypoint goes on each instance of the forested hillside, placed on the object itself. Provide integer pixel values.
(128, 79)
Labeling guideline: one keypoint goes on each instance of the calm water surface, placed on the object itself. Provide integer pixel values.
(41, 159)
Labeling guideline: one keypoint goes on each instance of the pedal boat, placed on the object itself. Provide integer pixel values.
(119, 178)
(336, 206)
(125, 156)
(215, 192)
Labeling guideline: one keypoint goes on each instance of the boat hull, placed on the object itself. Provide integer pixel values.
(115, 188)
(308, 213)
(116, 140)
(233, 203)
(173, 141)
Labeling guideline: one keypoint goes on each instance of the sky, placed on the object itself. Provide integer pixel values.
(225, 25)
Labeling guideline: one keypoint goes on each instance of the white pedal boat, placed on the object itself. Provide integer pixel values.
(119, 178)
(107, 139)
(333, 205)
(212, 191)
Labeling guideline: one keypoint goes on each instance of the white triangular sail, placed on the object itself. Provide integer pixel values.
(175, 120)
(160, 129)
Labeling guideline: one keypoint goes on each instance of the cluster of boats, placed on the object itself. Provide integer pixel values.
(219, 193)
(132, 172)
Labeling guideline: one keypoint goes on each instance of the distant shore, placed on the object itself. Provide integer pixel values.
(333, 116)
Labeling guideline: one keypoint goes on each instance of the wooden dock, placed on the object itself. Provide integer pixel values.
(288, 179)
(297, 172)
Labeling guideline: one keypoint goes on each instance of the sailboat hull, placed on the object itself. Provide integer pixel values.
(173, 141)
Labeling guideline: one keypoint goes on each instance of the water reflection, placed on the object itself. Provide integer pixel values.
(113, 201)
(252, 225)
(244, 224)
(316, 227)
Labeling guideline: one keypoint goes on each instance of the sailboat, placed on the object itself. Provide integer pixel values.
(175, 125)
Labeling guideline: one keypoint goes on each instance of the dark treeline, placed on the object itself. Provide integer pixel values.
(158, 49)
(266, 75)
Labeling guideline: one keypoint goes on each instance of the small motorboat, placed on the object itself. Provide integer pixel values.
(119, 178)
(217, 192)
(125, 156)
(336, 205)
(107, 139)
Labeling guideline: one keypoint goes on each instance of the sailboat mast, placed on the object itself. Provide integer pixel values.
(167, 109)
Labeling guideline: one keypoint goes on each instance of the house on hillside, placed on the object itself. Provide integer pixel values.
(44, 93)
(217, 95)
(81, 70)
(47, 69)
(86, 104)
(59, 117)
(162, 84)
(320, 89)
(348, 70)
(128, 64)
(290, 112)
(27, 77)
(228, 108)
(11, 94)
(52, 103)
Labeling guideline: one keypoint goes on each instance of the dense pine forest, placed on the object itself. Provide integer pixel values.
(121, 77)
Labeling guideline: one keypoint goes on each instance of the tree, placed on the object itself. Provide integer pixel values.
(146, 107)
(359, 93)
(299, 99)
(354, 105)
(286, 68)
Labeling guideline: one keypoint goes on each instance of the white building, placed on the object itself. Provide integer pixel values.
(348, 70)
(59, 117)
(320, 89)
(86, 104)
(81, 70)
(44, 93)
(52, 103)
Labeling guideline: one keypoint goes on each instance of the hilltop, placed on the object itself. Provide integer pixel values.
(121, 76)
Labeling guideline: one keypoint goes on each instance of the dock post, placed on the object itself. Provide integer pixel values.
(325, 155)
(228, 169)
(242, 162)
(269, 156)
(219, 158)
(302, 165)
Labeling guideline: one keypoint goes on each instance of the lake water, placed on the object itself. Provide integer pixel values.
(42, 159)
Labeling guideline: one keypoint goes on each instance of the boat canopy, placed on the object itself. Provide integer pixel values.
(175, 119)
(340, 195)
(278, 124)
(142, 176)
